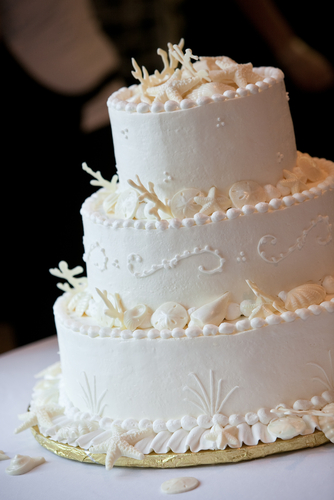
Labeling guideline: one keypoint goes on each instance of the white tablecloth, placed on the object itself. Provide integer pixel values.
(305, 474)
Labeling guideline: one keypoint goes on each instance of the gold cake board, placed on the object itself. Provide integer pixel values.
(189, 459)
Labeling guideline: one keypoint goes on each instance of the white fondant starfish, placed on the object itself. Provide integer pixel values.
(291, 181)
(174, 88)
(212, 202)
(224, 436)
(41, 416)
(240, 74)
(121, 444)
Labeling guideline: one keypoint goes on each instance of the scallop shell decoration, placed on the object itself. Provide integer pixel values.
(169, 315)
(183, 204)
(212, 313)
(303, 296)
(110, 202)
(309, 167)
(138, 317)
(247, 193)
(327, 423)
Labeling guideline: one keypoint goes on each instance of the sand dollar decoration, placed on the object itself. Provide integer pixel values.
(169, 315)
(127, 204)
(247, 193)
(183, 204)
(286, 427)
(179, 485)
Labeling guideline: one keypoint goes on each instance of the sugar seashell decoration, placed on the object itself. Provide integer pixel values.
(247, 193)
(327, 423)
(110, 202)
(3, 456)
(169, 315)
(183, 204)
(138, 317)
(308, 166)
(179, 485)
(303, 296)
(328, 284)
(22, 464)
(212, 313)
(208, 90)
(287, 427)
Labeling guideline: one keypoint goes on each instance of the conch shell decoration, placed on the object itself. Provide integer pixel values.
(212, 313)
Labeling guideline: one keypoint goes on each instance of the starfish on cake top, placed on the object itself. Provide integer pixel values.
(212, 202)
(240, 74)
(174, 88)
(41, 416)
(292, 181)
(121, 444)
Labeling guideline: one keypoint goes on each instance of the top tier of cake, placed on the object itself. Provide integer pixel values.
(213, 123)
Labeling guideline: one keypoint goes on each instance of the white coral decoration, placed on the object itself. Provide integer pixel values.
(78, 284)
(169, 315)
(151, 196)
(110, 186)
(116, 312)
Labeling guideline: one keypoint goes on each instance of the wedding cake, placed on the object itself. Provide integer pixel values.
(206, 319)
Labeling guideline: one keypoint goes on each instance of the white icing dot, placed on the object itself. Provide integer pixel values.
(269, 80)
(275, 203)
(251, 418)
(262, 207)
(145, 423)
(328, 396)
(233, 213)
(218, 97)
(129, 424)
(258, 322)
(262, 85)
(236, 419)
(126, 334)
(226, 328)
(173, 425)
(159, 426)
(201, 219)
(288, 201)
(316, 191)
(165, 334)
(121, 105)
(189, 222)
(187, 104)
(242, 325)
(309, 194)
(105, 423)
(289, 316)
(175, 223)
(139, 334)
(253, 89)
(242, 92)
(315, 309)
(143, 107)
(203, 100)
(188, 423)
(115, 332)
(300, 197)
(150, 225)
(265, 415)
(273, 319)
(193, 331)
(131, 107)
(302, 404)
(233, 311)
(157, 107)
(204, 421)
(177, 333)
(220, 419)
(138, 224)
(248, 209)
(318, 402)
(303, 313)
(329, 306)
(210, 330)
(230, 94)
(84, 329)
(105, 332)
(218, 216)
(162, 225)
(171, 106)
